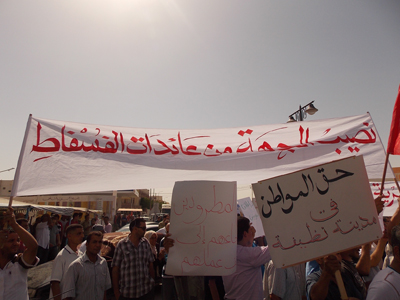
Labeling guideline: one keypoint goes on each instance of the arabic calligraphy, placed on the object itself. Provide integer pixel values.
(318, 237)
(209, 219)
(288, 200)
(390, 193)
(94, 140)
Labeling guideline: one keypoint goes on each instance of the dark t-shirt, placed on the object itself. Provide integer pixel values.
(333, 292)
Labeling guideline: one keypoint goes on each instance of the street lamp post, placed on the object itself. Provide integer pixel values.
(7, 170)
(301, 113)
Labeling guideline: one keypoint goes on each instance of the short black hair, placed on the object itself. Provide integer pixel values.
(243, 224)
(92, 233)
(21, 220)
(72, 227)
(136, 223)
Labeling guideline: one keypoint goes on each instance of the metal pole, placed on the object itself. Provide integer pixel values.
(300, 114)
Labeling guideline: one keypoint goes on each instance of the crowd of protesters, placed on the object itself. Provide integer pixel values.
(369, 272)
(50, 231)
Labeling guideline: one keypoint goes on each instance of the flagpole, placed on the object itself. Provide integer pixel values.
(17, 171)
(384, 174)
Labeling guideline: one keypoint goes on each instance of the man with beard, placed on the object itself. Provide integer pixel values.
(13, 267)
(132, 266)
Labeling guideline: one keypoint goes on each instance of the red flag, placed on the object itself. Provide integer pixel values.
(394, 136)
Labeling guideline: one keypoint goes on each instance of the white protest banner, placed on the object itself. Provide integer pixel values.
(390, 196)
(204, 227)
(251, 213)
(317, 211)
(60, 157)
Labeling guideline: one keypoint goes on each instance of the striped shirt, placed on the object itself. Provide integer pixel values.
(86, 280)
(133, 263)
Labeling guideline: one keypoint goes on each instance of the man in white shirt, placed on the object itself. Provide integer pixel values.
(64, 258)
(88, 277)
(43, 239)
(13, 267)
(386, 284)
(107, 225)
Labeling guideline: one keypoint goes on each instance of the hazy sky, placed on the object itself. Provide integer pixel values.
(194, 63)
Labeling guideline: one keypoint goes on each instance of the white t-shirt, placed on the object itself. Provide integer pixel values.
(13, 279)
(386, 285)
(287, 284)
(43, 235)
(60, 266)
(108, 228)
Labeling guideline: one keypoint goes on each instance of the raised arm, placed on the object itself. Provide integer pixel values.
(29, 241)
(377, 255)
(394, 220)
(319, 290)
(364, 263)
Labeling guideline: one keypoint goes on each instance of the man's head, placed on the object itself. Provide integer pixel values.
(94, 242)
(74, 234)
(245, 231)
(54, 220)
(351, 254)
(45, 218)
(106, 220)
(11, 244)
(98, 227)
(23, 223)
(75, 216)
(138, 227)
(93, 221)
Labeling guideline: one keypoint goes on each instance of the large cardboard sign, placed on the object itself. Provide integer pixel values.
(203, 225)
(250, 212)
(317, 211)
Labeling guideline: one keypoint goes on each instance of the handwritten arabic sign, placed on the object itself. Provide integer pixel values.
(317, 211)
(390, 196)
(203, 225)
(250, 212)
(62, 157)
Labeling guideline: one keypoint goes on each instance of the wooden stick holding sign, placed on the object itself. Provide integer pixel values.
(340, 284)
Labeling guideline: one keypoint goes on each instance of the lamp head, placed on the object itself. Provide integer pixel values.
(311, 109)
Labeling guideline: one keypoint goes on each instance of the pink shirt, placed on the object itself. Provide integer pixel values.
(246, 282)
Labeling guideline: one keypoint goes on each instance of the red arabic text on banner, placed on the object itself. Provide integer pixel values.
(394, 136)
(61, 157)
